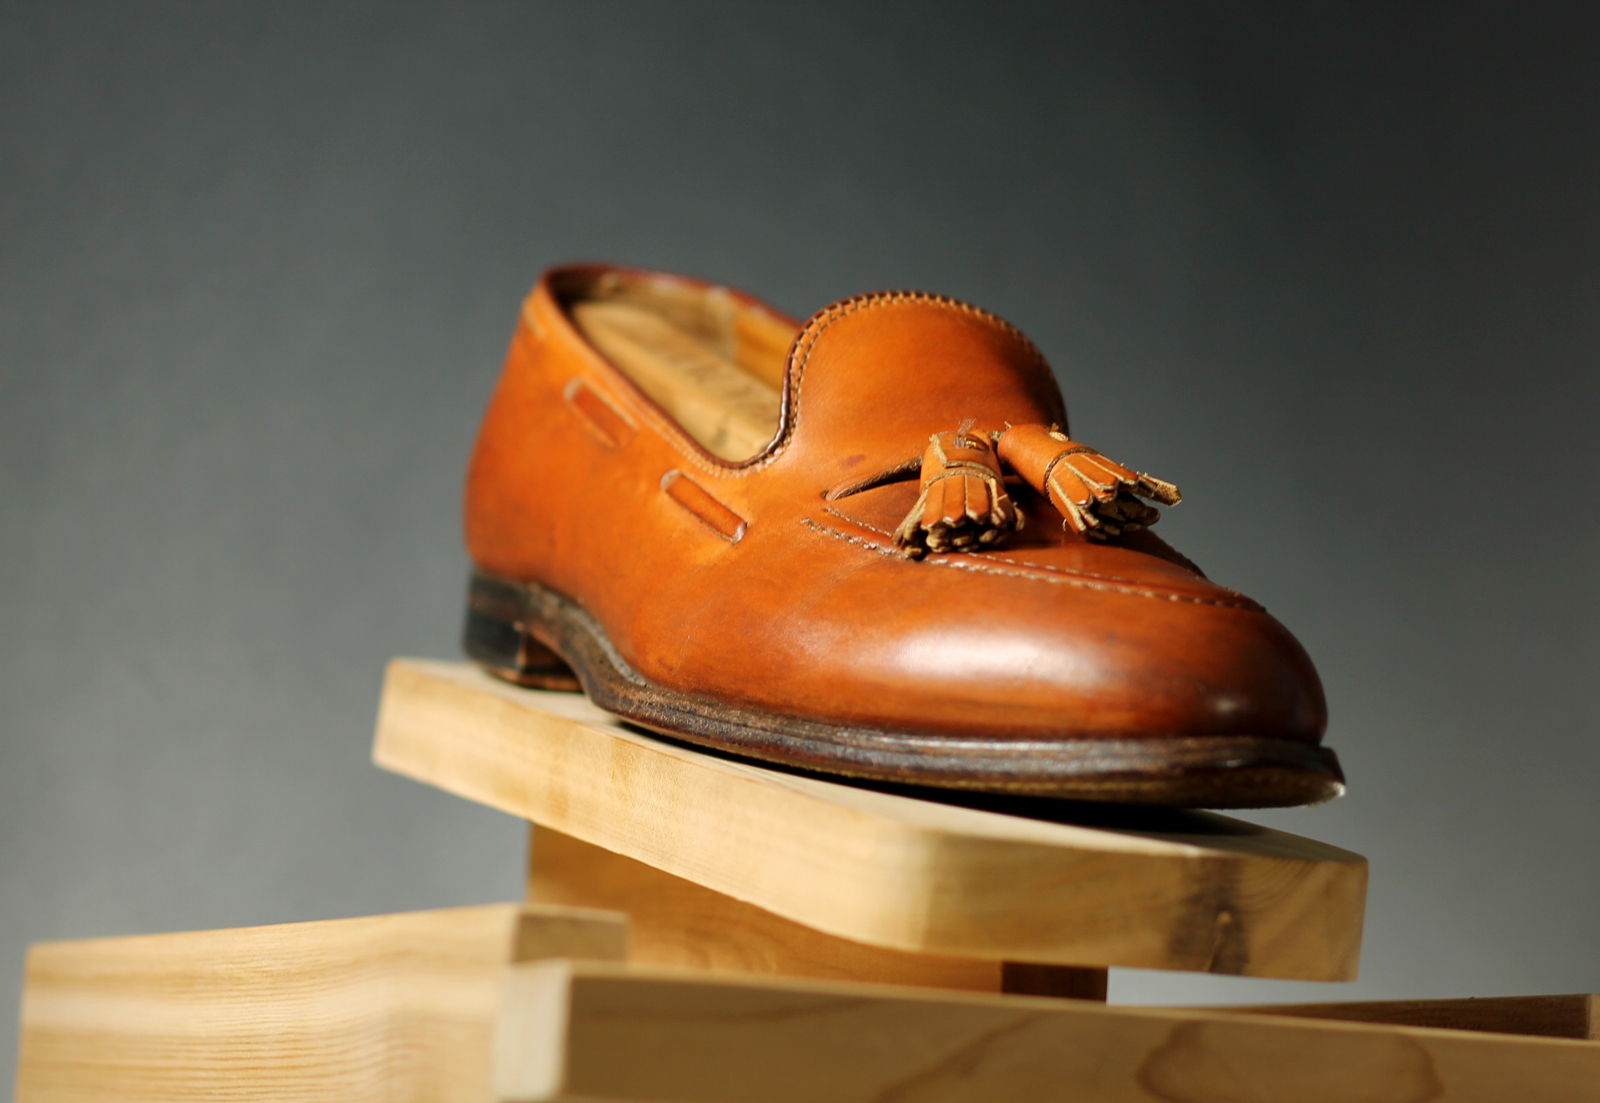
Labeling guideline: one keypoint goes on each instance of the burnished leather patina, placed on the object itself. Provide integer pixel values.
(731, 575)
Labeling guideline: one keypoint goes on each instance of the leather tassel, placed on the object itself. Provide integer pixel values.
(1097, 496)
(963, 505)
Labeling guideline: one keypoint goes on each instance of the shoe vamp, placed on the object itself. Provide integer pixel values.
(1141, 560)
(825, 620)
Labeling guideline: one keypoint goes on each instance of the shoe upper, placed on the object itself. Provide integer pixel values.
(772, 581)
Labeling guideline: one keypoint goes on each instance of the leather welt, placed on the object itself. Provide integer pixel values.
(698, 501)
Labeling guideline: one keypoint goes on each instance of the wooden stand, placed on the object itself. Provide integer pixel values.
(919, 889)
(518, 1004)
(789, 938)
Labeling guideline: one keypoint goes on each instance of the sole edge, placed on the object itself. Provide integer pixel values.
(533, 636)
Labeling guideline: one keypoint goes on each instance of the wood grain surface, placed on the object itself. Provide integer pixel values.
(1015, 881)
(677, 922)
(582, 1031)
(441, 1007)
(393, 1007)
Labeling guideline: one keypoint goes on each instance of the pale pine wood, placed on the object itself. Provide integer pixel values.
(623, 1033)
(1574, 1016)
(1209, 894)
(677, 922)
(347, 1011)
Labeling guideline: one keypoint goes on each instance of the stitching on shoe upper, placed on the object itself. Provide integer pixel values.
(800, 357)
(963, 562)
(813, 332)
(996, 557)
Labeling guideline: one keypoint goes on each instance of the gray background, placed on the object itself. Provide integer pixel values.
(1333, 268)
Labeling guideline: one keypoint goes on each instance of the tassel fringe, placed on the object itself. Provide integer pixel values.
(1097, 496)
(963, 505)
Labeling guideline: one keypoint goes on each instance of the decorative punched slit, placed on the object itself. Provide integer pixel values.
(698, 501)
(601, 418)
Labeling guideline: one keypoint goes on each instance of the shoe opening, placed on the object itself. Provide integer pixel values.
(713, 362)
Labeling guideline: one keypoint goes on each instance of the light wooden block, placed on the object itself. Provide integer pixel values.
(676, 922)
(1189, 891)
(390, 1007)
(580, 1031)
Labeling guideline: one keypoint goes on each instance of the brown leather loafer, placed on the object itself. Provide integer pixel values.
(865, 546)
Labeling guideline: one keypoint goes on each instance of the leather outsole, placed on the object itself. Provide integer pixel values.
(533, 636)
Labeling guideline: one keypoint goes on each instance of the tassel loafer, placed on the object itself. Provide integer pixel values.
(867, 545)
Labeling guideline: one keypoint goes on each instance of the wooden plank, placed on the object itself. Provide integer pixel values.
(625, 1033)
(1574, 1016)
(1162, 889)
(347, 1011)
(677, 922)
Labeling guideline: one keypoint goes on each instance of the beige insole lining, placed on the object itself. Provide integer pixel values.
(727, 398)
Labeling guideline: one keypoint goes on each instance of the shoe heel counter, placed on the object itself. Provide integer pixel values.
(494, 470)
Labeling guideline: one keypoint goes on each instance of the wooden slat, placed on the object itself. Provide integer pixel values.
(1574, 1016)
(623, 1033)
(926, 876)
(396, 1007)
(677, 922)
